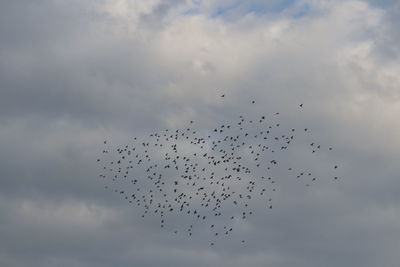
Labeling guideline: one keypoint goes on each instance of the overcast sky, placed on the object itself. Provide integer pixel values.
(74, 73)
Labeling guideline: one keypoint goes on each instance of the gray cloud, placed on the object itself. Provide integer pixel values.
(73, 74)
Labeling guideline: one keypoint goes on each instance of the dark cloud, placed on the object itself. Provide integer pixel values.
(75, 73)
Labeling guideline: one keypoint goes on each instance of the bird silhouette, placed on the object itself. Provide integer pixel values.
(204, 174)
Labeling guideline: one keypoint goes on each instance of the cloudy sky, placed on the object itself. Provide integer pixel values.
(74, 73)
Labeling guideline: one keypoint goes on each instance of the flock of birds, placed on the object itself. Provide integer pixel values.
(211, 178)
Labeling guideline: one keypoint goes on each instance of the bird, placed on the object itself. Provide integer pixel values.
(207, 175)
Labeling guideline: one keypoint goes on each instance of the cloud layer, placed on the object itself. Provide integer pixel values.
(75, 73)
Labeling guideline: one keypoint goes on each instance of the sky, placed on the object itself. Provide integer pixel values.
(76, 73)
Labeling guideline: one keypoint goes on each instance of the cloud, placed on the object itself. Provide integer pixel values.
(73, 74)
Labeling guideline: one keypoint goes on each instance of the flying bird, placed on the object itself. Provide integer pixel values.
(205, 175)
